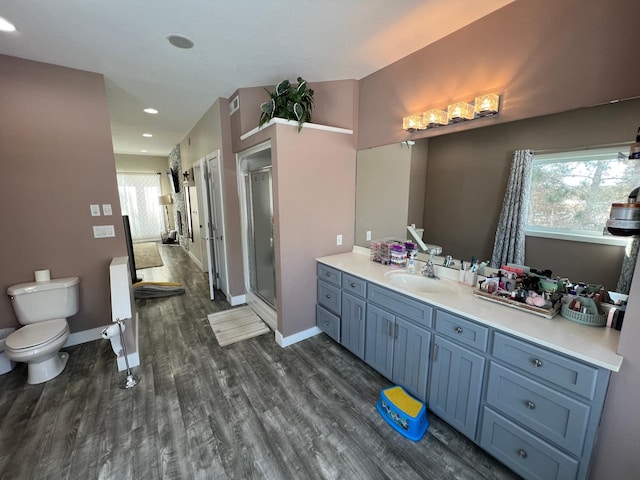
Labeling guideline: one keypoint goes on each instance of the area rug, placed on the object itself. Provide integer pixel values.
(237, 324)
(146, 255)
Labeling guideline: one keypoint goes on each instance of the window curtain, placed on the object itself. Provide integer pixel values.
(139, 194)
(628, 266)
(508, 246)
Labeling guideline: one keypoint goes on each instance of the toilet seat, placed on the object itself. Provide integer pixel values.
(37, 334)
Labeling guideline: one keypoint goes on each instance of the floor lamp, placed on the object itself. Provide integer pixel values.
(166, 200)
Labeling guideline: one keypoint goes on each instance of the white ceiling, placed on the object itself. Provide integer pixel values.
(238, 43)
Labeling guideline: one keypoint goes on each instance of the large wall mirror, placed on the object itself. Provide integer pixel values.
(453, 186)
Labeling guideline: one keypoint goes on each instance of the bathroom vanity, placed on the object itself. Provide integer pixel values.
(528, 390)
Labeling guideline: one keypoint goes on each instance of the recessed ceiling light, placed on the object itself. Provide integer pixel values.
(152, 111)
(6, 26)
(180, 41)
(148, 135)
(144, 151)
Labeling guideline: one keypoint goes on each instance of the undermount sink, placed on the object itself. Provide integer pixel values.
(417, 282)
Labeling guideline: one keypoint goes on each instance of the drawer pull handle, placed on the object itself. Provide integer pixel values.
(530, 405)
(537, 363)
(353, 285)
(328, 296)
(328, 274)
(326, 322)
(458, 329)
(522, 453)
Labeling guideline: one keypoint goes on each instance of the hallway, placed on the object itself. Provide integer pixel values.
(249, 410)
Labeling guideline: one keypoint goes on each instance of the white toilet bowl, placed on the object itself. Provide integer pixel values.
(38, 346)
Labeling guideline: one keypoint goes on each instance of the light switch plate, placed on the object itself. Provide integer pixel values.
(106, 209)
(368, 234)
(339, 240)
(95, 210)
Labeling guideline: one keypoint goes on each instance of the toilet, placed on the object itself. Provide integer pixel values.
(43, 308)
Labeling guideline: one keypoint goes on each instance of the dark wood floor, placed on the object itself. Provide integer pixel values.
(249, 410)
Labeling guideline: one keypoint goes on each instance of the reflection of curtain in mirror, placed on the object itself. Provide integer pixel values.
(628, 266)
(139, 194)
(509, 243)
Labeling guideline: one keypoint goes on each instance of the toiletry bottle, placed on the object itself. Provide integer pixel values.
(411, 261)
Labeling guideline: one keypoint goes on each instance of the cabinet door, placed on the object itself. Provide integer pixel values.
(455, 385)
(411, 358)
(379, 332)
(352, 324)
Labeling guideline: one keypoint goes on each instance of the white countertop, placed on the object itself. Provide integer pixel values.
(595, 345)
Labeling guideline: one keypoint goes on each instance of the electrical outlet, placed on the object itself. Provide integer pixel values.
(339, 240)
(368, 234)
(106, 209)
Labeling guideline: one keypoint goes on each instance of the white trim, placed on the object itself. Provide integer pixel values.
(293, 123)
(196, 260)
(237, 300)
(296, 337)
(84, 336)
(576, 237)
(361, 250)
(263, 310)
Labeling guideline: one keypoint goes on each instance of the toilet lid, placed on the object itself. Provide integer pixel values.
(35, 334)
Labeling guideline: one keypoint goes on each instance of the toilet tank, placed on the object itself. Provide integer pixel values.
(39, 301)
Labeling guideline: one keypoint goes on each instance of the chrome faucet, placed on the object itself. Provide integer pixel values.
(428, 270)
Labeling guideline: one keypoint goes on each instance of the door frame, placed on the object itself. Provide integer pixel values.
(262, 308)
(215, 239)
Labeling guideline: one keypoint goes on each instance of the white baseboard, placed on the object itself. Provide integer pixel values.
(196, 260)
(237, 300)
(297, 337)
(84, 336)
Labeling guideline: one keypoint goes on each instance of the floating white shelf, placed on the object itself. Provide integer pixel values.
(293, 123)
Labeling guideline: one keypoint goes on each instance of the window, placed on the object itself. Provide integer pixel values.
(139, 194)
(572, 193)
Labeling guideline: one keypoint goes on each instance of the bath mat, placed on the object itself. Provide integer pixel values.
(147, 255)
(231, 326)
(156, 289)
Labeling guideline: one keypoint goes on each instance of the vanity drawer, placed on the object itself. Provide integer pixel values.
(354, 285)
(401, 305)
(330, 297)
(551, 414)
(523, 452)
(562, 371)
(329, 274)
(461, 330)
(328, 323)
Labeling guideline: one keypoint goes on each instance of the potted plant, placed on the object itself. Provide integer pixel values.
(288, 102)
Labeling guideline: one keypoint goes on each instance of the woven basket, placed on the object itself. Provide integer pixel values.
(596, 319)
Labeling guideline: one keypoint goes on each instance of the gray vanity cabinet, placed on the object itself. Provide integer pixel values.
(457, 369)
(379, 340)
(542, 410)
(397, 339)
(352, 329)
(456, 385)
(341, 307)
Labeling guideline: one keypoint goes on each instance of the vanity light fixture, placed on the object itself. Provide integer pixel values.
(413, 123)
(147, 135)
(151, 111)
(459, 112)
(486, 105)
(435, 118)
(483, 106)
